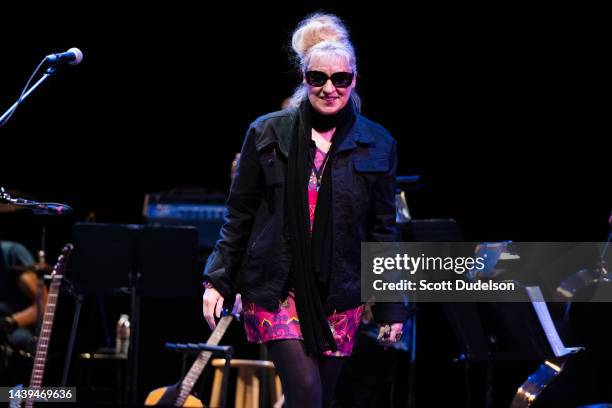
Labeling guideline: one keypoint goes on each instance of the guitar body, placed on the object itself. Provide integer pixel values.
(536, 382)
(166, 396)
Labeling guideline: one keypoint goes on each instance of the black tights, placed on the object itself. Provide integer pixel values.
(308, 381)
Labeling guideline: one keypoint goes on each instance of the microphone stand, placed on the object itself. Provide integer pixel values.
(48, 73)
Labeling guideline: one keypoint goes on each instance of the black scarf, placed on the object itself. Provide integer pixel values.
(312, 258)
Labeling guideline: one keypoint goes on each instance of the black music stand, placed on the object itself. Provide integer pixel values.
(425, 230)
(139, 260)
(497, 332)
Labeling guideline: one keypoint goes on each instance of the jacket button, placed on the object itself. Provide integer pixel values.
(270, 162)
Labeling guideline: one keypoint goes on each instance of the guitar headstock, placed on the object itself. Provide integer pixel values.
(62, 260)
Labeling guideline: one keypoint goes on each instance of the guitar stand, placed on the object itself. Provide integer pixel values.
(68, 288)
(191, 348)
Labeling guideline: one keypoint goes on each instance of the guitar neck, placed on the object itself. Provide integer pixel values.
(200, 363)
(45, 333)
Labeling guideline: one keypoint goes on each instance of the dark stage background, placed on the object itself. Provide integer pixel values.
(501, 110)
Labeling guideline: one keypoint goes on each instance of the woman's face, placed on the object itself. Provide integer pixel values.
(327, 98)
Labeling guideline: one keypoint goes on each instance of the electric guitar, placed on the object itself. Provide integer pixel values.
(44, 336)
(179, 395)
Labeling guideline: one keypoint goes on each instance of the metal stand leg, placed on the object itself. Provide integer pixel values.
(78, 301)
(132, 382)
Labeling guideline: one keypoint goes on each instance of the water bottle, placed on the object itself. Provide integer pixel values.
(122, 338)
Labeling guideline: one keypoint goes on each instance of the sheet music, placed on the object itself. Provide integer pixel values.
(556, 344)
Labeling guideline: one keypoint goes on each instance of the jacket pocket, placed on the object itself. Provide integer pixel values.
(271, 166)
(371, 164)
(273, 173)
(260, 255)
(262, 241)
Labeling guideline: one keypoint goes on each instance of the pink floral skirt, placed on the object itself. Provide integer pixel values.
(262, 325)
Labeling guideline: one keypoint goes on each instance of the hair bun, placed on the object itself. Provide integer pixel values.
(315, 29)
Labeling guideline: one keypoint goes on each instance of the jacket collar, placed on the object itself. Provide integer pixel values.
(357, 134)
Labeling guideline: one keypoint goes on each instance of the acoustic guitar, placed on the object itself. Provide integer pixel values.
(179, 395)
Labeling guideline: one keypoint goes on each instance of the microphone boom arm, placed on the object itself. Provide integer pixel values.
(35, 206)
(49, 72)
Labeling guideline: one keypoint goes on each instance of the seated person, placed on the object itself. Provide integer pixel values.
(18, 296)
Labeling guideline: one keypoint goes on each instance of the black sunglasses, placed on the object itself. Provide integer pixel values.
(339, 79)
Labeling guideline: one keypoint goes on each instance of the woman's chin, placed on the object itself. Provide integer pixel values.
(327, 109)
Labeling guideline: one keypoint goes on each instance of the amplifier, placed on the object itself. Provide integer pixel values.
(204, 211)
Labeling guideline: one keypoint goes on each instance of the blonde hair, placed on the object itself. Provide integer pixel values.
(316, 28)
(321, 34)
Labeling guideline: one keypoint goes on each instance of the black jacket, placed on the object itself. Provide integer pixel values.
(253, 256)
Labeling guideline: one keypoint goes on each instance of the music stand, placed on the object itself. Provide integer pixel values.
(136, 260)
(425, 230)
(493, 332)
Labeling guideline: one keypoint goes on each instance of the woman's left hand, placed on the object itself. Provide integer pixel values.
(390, 334)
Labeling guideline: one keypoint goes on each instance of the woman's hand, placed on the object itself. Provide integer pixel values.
(212, 305)
(390, 334)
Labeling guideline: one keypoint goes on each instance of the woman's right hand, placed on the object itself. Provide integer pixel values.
(212, 305)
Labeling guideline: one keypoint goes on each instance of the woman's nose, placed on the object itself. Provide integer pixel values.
(329, 87)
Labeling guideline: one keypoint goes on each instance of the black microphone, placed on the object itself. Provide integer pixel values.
(73, 56)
